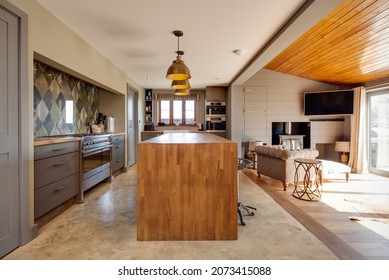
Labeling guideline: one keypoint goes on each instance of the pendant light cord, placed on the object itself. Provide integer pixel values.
(178, 48)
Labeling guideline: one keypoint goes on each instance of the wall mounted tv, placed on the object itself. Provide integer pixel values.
(336, 102)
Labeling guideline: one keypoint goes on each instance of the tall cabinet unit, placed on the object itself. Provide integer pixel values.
(149, 106)
(216, 110)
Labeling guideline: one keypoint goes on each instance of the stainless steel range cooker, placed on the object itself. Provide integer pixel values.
(96, 150)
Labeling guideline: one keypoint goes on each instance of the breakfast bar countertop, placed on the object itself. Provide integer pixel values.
(187, 188)
(187, 138)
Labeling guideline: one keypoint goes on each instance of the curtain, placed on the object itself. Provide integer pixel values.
(358, 152)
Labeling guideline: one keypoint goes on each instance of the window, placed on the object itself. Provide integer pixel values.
(379, 133)
(182, 111)
(69, 111)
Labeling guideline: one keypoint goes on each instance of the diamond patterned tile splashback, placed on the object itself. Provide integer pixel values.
(63, 104)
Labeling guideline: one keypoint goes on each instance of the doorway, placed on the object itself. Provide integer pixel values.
(132, 125)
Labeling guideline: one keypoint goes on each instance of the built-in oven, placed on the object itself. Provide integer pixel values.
(215, 108)
(96, 160)
(215, 123)
(215, 116)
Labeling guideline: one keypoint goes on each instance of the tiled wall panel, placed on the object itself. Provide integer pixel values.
(52, 88)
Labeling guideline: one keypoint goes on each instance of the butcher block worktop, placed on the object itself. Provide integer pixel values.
(39, 141)
(188, 138)
(187, 188)
(54, 140)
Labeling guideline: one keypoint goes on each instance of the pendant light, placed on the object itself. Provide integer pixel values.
(182, 92)
(184, 84)
(178, 70)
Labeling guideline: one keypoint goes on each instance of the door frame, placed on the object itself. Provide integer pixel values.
(135, 92)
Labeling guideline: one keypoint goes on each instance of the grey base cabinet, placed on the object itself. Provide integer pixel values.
(117, 152)
(56, 175)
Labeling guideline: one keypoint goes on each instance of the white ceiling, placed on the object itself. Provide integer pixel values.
(136, 35)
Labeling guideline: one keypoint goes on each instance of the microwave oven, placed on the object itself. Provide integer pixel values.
(215, 108)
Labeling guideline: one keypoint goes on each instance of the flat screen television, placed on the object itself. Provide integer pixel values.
(336, 102)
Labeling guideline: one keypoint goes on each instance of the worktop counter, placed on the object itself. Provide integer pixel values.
(40, 141)
(187, 138)
(146, 135)
(117, 133)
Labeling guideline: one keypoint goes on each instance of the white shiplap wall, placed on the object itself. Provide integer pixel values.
(254, 113)
(275, 97)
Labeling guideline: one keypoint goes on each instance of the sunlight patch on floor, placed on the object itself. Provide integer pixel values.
(377, 226)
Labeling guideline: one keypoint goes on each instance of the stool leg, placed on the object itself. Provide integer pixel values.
(240, 214)
(246, 207)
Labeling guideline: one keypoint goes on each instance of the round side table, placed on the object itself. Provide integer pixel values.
(253, 157)
(310, 185)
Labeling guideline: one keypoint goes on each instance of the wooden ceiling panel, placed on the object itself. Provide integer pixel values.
(349, 46)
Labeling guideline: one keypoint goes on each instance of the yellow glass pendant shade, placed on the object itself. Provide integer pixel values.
(182, 92)
(183, 84)
(178, 71)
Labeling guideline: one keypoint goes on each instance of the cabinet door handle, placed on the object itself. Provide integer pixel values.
(60, 188)
(60, 149)
(118, 160)
(117, 147)
(61, 163)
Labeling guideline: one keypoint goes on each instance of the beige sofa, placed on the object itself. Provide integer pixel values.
(278, 163)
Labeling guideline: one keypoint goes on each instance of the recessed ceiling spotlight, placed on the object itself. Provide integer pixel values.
(217, 78)
(239, 51)
(148, 78)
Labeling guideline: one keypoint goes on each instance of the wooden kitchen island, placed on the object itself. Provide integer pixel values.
(187, 188)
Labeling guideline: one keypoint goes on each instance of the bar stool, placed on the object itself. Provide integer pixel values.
(244, 163)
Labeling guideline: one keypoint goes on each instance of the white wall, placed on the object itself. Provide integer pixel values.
(51, 38)
(235, 118)
(114, 105)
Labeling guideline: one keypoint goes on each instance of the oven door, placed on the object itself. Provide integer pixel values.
(214, 124)
(215, 110)
(95, 161)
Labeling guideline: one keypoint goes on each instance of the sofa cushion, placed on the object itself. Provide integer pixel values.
(277, 151)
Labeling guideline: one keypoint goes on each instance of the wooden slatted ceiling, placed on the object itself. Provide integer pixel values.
(349, 46)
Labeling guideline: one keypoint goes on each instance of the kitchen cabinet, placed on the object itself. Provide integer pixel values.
(56, 175)
(117, 152)
(149, 106)
(216, 93)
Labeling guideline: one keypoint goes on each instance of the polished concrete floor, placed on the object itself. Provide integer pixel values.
(104, 227)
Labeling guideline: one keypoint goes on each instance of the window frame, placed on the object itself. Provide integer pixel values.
(371, 94)
(171, 119)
